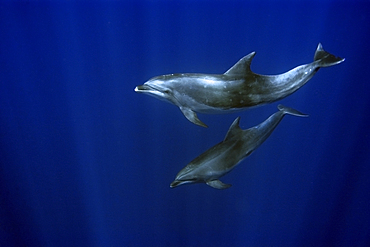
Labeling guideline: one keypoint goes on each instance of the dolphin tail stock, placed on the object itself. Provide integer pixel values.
(291, 111)
(325, 59)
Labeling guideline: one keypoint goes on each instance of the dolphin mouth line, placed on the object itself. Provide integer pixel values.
(145, 88)
(176, 183)
(150, 90)
(160, 93)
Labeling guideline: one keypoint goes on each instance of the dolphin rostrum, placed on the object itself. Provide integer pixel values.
(236, 89)
(223, 157)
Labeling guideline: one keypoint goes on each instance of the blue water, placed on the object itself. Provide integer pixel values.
(86, 161)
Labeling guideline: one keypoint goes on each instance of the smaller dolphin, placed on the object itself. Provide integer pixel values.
(235, 90)
(223, 157)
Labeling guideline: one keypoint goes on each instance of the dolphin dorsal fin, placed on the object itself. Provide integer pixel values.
(234, 129)
(243, 66)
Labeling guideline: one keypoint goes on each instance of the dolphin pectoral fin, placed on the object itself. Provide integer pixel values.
(192, 116)
(217, 184)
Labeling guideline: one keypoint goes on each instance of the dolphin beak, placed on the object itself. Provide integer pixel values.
(148, 89)
(152, 91)
(143, 89)
(174, 184)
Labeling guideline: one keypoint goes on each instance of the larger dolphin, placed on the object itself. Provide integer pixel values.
(223, 157)
(236, 89)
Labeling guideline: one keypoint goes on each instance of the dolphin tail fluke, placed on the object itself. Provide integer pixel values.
(325, 59)
(291, 111)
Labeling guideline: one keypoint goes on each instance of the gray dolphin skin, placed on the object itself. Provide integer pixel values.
(236, 89)
(223, 157)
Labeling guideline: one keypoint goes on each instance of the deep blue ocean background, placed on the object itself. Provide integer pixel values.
(86, 161)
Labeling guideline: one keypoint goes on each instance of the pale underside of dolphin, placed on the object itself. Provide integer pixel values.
(223, 157)
(235, 90)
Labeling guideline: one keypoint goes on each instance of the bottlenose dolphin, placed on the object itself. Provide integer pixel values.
(236, 89)
(223, 157)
